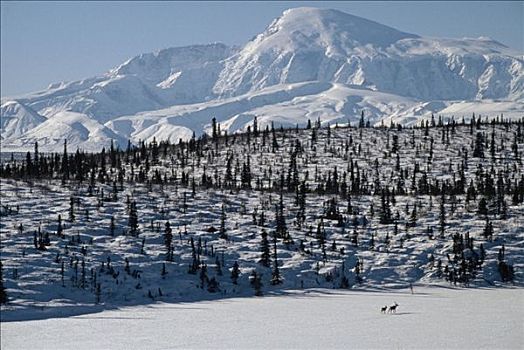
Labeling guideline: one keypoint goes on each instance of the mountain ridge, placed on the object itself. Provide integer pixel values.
(303, 45)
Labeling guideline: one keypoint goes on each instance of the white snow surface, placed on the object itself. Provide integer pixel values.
(17, 119)
(79, 130)
(171, 310)
(311, 46)
(327, 45)
(432, 318)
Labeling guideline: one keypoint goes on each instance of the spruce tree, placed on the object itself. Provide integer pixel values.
(274, 143)
(3, 294)
(413, 216)
(442, 215)
(195, 261)
(133, 220)
(483, 207)
(222, 232)
(361, 122)
(256, 283)
(154, 151)
(71, 209)
(37, 162)
(344, 282)
(478, 150)
(65, 163)
(213, 285)
(218, 266)
(275, 277)
(59, 229)
(203, 275)
(264, 248)
(235, 273)
(281, 227)
(255, 127)
(168, 235)
(385, 211)
(112, 226)
(214, 133)
(488, 230)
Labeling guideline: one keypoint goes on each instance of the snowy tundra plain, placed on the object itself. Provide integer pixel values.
(431, 318)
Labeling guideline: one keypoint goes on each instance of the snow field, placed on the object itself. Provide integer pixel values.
(432, 318)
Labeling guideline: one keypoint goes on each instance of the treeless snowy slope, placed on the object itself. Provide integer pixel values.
(16, 119)
(432, 318)
(78, 129)
(486, 109)
(295, 104)
(338, 104)
(291, 104)
(195, 117)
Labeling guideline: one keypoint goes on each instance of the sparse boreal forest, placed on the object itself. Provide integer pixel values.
(266, 210)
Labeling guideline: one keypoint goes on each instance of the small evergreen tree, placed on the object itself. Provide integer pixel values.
(235, 273)
(275, 277)
(478, 150)
(361, 122)
(213, 285)
(71, 209)
(203, 275)
(59, 229)
(112, 226)
(133, 220)
(256, 283)
(218, 266)
(413, 216)
(222, 232)
(214, 134)
(344, 282)
(442, 215)
(483, 207)
(264, 248)
(168, 235)
(488, 230)
(3, 294)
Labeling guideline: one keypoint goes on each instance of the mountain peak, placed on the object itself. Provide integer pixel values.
(308, 63)
(17, 118)
(327, 23)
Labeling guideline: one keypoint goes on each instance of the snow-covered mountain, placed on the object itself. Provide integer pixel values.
(312, 44)
(308, 63)
(17, 119)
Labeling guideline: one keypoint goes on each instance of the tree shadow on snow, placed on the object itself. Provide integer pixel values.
(19, 312)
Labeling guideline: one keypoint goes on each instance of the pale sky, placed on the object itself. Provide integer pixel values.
(48, 42)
